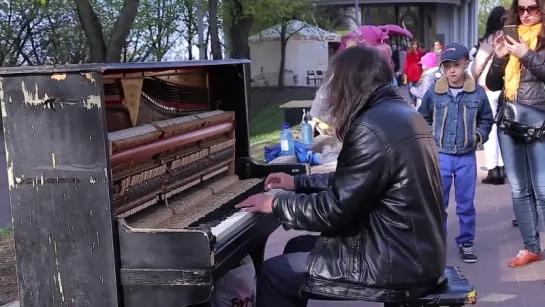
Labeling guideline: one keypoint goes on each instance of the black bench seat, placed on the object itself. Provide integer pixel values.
(455, 291)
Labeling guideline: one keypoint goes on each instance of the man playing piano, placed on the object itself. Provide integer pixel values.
(380, 214)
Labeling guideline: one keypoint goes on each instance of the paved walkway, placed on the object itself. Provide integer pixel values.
(497, 285)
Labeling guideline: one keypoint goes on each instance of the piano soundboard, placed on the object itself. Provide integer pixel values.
(191, 185)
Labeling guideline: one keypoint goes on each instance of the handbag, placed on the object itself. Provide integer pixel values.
(521, 121)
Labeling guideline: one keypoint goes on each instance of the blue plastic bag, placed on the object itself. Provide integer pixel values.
(302, 154)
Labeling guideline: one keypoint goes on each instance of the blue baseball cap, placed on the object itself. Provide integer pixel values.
(454, 52)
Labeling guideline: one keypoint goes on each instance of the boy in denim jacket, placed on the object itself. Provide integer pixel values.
(459, 114)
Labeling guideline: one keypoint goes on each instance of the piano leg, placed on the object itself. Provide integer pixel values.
(258, 254)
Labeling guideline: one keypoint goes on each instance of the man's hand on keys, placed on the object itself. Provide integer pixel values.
(280, 181)
(257, 203)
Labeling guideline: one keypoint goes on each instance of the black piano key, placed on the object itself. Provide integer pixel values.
(227, 209)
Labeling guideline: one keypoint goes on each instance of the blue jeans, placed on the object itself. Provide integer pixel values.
(525, 170)
(463, 169)
(281, 277)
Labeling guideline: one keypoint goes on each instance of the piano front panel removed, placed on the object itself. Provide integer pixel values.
(171, 164)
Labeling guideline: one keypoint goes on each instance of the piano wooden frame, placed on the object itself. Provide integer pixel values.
(70, 249)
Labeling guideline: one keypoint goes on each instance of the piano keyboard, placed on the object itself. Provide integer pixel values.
(231, 221)
(211, 207)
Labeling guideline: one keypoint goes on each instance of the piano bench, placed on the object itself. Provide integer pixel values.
(454, 292)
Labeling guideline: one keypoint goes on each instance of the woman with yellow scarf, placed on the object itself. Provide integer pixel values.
(518, 69)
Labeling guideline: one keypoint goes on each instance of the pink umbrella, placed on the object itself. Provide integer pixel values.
(377, 36)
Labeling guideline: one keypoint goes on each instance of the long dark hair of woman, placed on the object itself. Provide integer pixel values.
(514, 19)
(494, 22)
(355, 74)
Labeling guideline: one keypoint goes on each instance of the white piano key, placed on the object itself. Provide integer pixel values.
(227, 226)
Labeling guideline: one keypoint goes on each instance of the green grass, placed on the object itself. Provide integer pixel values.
(265, 125)
(5, 231)
(265, 128)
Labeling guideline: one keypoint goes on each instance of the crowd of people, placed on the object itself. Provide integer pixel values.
(381, 214)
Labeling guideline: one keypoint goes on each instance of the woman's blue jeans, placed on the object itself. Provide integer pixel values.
(525, 170)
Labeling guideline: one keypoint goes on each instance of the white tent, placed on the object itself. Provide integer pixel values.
(298, 30)
(307, 50)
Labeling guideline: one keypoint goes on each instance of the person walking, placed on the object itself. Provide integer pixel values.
(413, 69)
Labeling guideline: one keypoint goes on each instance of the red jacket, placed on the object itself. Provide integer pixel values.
(413, 70)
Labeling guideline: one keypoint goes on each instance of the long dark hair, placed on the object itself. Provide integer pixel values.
(514, 19)
(494, 23)
(414, 41)
(354, 75)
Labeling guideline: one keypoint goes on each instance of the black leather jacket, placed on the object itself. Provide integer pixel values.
(380, 213)
(531, 87)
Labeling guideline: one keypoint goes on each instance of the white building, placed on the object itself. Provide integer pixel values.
(307, 55)
(428, 20)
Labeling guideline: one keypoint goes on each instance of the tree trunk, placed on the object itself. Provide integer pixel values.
(282, 68)
(92, 27)
(213, 29)
(239, 30)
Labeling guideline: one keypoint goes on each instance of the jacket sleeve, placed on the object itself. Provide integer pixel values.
(359, 181)
(313, 183)
(423, 86)
(535, 63)
(485, 118)
(486, 49)
(494, 77)
(426, 108)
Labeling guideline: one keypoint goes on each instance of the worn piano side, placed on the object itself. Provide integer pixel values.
(123, 180)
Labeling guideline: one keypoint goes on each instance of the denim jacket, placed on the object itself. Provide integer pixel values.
(458, 123)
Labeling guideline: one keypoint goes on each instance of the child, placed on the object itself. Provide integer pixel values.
(429, 77)
(459, 114)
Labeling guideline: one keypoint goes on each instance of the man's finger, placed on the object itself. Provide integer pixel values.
(244, 204)
(272, 179)
(250, 209)
(272, 185)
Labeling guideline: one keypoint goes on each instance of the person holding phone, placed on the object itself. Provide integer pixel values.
(518, 70)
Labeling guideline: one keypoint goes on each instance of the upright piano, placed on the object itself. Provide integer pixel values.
(123, 180)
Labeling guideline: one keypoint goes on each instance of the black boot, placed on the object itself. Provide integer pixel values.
(493, 177)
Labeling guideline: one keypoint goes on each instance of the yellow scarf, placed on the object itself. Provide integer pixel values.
(530, 35)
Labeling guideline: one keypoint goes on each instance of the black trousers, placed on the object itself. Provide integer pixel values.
(282, 276)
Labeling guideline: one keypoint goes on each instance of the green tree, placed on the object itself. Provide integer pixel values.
(246, 16)
(107, 47)
(18, 19)
(213, 29)
(485, 6)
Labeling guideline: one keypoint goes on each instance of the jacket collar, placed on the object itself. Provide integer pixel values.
(384, 92)
(441, 86)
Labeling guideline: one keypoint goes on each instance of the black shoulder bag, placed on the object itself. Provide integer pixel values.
(521, 121)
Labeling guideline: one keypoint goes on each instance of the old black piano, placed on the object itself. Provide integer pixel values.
(123, 178)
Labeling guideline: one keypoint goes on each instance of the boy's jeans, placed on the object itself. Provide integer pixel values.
(463, 169)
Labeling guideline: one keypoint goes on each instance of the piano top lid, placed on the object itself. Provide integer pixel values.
(115, 67)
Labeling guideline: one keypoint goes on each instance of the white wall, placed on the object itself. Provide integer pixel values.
(309, 55)
(301, 56)
(266, 55)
